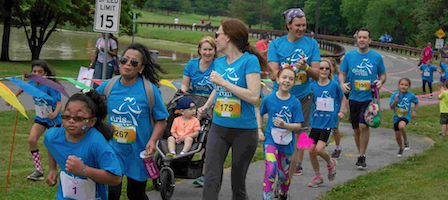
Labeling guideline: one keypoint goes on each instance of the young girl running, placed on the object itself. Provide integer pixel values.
(400, 102)
(443, 108)
(47, 114)
(284, 117)
(327, 98)
(80, 148)
(426, 71)
(336, 134)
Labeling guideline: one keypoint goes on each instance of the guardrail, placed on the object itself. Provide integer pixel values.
(277, 33)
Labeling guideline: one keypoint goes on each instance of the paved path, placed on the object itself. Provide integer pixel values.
(381, 152)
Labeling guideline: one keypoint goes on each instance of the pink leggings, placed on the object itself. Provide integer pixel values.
(272, 155)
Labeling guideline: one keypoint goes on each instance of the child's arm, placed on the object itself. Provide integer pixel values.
(75, 166)
(290, 126)
(414, 112)
(56, 111)
(259, 117)
(394, 103)
(53, 174)
(341, 111)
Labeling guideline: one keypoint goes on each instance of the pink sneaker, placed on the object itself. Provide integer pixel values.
(332, 169)
(316, 182)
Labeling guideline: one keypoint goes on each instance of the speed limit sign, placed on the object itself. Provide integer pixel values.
(107, 16)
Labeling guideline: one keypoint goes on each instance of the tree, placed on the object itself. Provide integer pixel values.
(430, 17)
(244, 10)
(278, 7)
(354, 11)
(211, 7)
(168, 5)
(5, 16)
(40, 18)
(330, 19)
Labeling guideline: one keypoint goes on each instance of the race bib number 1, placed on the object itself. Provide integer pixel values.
(124, 134)
(228, 107)
(325, 104)
(362, 85)
(77, 188)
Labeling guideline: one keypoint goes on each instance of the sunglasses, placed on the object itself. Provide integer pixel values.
(124, 60)
(76, 118)
(217, 34)
(326, 68)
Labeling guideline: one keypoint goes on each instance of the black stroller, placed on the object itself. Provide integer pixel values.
(180, 166)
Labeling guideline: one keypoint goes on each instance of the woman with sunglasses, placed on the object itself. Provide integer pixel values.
(237, 88)
(80, 148)
(129, 113)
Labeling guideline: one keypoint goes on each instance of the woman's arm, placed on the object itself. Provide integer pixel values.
(159, 127)
(274, 68)
(113, 52)
(95, 55)
(185, 83)
(251, 94)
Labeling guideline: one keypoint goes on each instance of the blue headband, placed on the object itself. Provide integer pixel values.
(292, 13)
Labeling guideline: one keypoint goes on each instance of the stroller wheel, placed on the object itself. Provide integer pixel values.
(166, 185)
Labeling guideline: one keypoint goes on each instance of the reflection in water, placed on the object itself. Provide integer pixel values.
(66, 45)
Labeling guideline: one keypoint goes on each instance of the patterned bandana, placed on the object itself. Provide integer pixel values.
(292, 13)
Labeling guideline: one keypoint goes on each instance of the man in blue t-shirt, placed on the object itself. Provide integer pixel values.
(302, 52)
(363, 67)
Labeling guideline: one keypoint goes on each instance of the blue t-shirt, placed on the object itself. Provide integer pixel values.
(43, 106)
(93, 150)
(289, 110)
(427, 72)
(282, 51)
(200, 81)
(231, 111)
(403, 107)
(326, 105)
(128, 111)
(362, 70)
(444, 70)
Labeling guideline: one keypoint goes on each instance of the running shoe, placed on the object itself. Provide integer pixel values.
(316, 182)
(36, 176)
(332, 169)
(430, 97)
(361, 164)
(400, 152)
(406, 146)
(336, 153)
(298, 171)
(283, 197)
(170, 154)
(199, 181)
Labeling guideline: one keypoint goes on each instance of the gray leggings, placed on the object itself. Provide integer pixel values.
(219, 140)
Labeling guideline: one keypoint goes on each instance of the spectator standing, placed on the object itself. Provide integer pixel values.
(263, 45)
(98, 59)
(176, 20)
(426, 54)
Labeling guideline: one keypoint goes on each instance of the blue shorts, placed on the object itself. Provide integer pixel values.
(357, 110)
(45, 124)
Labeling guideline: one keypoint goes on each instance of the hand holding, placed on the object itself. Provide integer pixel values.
(150, 147)
(379, 84)
(52, 178)
(346, 88)
(301, 64)
(216, 78)
(261, 137)
(74, 165)
(341, 115)
(279, 122)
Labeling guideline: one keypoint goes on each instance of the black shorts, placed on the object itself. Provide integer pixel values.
(357, 110)
(396, 124)
(320, 134)
(346, 95)
(45, 124)
(443, 118)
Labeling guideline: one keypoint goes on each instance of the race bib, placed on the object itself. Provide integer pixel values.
(228, 107)
(42, 111)
(400, 112)
(426, 74)
(362, 85)
(124, 134)
(77, 188)
(281, 136)
(301, 78)
(325, 104)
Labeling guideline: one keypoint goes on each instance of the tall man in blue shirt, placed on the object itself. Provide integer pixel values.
(362, 67)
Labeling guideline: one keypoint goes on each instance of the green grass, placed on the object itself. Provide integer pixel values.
(422, 176)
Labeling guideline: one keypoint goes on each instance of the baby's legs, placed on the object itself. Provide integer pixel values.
(187, 143)
(171, 144)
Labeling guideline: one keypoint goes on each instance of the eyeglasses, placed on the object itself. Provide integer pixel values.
(326, 68)
(217, 34)
(76, 118)
(124, 60)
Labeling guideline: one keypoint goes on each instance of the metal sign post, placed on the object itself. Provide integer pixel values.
(107, 20)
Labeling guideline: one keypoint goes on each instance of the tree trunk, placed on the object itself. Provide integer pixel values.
(6, 31)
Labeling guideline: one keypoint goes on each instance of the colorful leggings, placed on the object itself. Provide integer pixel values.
(272, 155)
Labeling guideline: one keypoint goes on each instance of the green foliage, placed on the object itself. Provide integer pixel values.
(246, 10)
(330, 19)
(210, 7)
(278, 7)
(430, 17)
(354, 12)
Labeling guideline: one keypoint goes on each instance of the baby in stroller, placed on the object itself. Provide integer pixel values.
(185, 128)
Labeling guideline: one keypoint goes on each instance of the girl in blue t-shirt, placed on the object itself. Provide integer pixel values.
(328, 103)
(197, 71)
(284, 117)
(443, 70)
(400, 102)
(426, 71)
(80, 148)
(47, 114)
